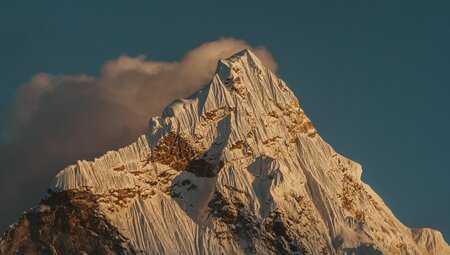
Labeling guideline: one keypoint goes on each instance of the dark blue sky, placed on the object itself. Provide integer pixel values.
(373, 77)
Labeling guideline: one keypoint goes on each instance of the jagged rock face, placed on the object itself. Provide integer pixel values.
(237, 168)
(65, 223)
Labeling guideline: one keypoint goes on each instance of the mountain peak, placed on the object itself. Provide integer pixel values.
(244, 60)
(237, 168)
(241, 86)
(246, 55)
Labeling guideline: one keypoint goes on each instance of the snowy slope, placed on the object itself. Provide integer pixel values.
(237, 168)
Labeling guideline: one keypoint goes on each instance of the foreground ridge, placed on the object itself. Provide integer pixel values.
(237, 168)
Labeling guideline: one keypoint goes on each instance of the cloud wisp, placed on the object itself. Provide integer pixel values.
(58, 119)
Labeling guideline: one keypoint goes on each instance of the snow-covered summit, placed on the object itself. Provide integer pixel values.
(237, 168)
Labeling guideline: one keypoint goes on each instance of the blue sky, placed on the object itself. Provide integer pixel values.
(373, 77)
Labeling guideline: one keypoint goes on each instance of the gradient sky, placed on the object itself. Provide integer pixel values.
(373, 77)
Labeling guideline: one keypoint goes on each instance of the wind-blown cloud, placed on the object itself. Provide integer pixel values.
(57, 119)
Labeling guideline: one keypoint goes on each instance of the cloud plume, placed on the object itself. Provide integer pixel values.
(57, 119)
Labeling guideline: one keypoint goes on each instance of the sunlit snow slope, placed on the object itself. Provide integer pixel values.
(237, 168)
